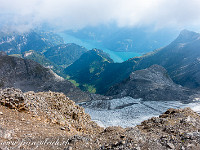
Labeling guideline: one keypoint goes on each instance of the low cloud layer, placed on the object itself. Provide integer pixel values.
(76, 14)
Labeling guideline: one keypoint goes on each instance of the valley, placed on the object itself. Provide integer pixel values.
(99, 75)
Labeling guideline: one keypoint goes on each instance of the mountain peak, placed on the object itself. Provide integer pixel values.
(188, 32)
(187, 36)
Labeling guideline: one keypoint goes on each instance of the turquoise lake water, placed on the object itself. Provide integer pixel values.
(116, 56)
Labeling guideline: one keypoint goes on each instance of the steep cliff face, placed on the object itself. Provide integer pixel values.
(28, 75)
(152, 83)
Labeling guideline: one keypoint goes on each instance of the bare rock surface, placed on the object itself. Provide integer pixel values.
(151, 84)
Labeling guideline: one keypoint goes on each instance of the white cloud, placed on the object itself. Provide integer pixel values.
(72, 14)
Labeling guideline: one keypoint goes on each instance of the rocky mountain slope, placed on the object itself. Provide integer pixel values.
(152, 83)
(49, 120)
(28, 75)
(180, 59)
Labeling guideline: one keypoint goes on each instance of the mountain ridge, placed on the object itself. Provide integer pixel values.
(28, 75)
(179, 59)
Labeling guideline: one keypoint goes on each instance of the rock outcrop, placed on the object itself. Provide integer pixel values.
(13, 98)
(152, 83)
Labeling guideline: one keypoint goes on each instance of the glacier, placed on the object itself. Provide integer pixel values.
(129, 112)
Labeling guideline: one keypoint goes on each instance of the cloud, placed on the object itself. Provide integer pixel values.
(76, 14)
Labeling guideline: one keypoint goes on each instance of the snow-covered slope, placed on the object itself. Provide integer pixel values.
(127, 112)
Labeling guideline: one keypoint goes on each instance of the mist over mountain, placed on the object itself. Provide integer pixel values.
(44, 47)
(18, 43)
(139, 40)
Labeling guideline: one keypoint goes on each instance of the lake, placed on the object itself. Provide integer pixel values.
(116, 56)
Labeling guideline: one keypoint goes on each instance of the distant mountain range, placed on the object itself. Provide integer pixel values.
(95, 71)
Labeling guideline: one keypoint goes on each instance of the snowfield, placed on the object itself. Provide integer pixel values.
(128, 112)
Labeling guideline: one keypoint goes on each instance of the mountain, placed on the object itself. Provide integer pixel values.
(95, 71)
(87, 69)
(28, 75)
(181, 59)
(51, 38)
(153, 84)
(64, 54)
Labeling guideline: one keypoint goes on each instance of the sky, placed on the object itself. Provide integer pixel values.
(76, 14)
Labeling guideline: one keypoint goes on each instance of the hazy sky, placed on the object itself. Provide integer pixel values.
(76, 14)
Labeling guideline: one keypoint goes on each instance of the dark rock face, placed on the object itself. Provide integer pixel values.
(28, 75)
(152, 83)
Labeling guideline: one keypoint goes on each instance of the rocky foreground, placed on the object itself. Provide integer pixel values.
(49, 120)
